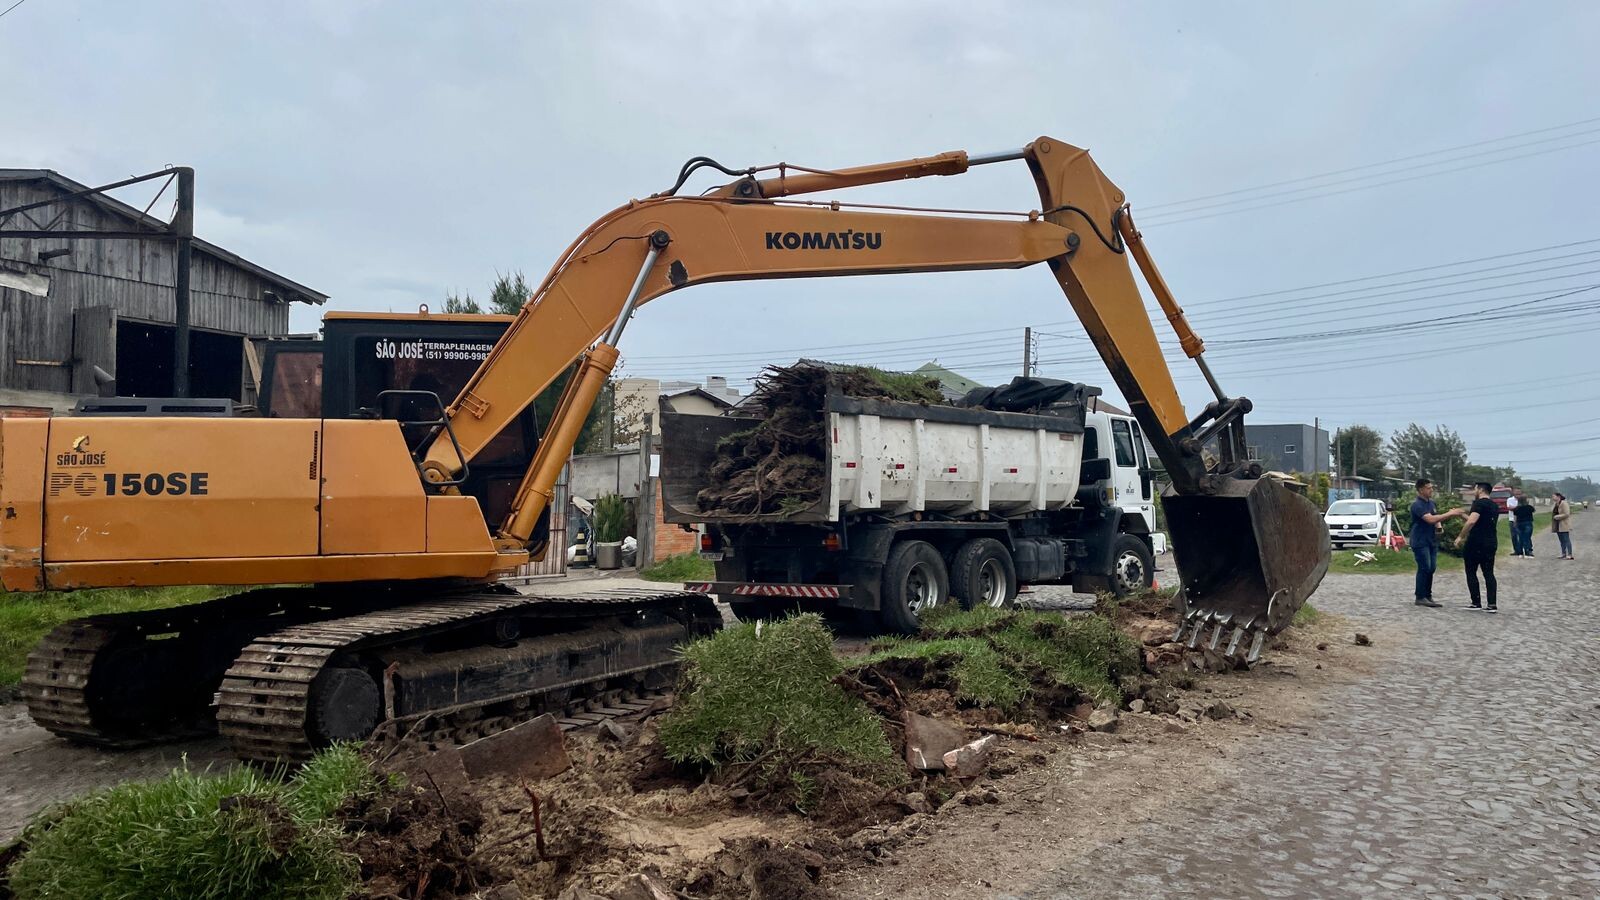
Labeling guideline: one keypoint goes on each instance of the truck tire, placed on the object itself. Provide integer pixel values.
(914, 581)
(1133, 567)
(983, 574)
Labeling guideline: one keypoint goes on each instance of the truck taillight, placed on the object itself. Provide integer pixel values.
(706, 543)
(831, 542)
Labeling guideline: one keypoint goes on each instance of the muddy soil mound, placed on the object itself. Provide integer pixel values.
(416, 839)
(778, 464)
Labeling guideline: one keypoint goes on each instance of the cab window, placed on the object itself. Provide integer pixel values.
(1122, 437)
(1138, 444)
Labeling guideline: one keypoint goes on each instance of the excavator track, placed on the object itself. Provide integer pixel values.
(127, 680)
(459, 667)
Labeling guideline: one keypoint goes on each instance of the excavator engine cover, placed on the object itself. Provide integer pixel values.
(1249, 554)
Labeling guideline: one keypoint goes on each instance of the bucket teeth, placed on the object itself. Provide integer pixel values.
(1199, 627)
(1216, 634)
(1233, 642)
(1255, 647)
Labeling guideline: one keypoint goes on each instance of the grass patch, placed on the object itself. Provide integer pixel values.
(681, 567)
(998, 657)
(27, 617)
(1306, 615)
(239, 833)
(769, 696)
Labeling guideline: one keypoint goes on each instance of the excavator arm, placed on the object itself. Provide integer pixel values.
(751, 228)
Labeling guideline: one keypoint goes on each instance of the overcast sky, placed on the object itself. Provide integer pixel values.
(390, 153)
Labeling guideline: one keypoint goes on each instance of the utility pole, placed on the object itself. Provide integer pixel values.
(1317, 459)
(183, 238)
(1027, 351)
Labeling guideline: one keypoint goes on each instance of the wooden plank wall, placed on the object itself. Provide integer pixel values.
(133, 277)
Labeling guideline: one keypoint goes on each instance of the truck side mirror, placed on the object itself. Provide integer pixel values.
(1094, 470)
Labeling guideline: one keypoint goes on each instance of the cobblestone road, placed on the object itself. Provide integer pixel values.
(1469, 765)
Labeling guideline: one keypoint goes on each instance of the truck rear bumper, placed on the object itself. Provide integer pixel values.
(727, 589)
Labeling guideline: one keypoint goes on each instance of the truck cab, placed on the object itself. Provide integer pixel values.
(1132, 482)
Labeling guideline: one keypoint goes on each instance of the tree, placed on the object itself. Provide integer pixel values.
(510, 291)
(1440, 454)
(461, 304)
(1359, 450)
(1578, 487)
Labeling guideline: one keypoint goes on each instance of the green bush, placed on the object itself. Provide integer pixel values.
(997, 655)
(238, 834)
(610, 519)
(769, 694)
(1442, 502)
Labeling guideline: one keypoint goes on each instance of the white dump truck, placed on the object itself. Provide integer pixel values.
(929, 504)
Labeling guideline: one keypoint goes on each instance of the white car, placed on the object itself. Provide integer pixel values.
(1355, 521)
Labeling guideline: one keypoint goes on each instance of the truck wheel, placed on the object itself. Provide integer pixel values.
(983, 574)
(1133, 569)
(914, 581)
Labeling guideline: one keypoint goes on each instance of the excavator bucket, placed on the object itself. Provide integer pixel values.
(1249, 555)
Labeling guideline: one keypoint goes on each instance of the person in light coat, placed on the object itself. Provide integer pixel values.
(1561, 524)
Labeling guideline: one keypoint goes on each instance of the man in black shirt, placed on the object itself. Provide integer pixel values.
(1478, 536)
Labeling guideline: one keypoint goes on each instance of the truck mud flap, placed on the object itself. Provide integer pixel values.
(1249, 556)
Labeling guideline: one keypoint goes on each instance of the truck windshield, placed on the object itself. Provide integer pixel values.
(1122, 436)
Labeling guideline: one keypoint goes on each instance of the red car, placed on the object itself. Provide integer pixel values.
(1499, 495)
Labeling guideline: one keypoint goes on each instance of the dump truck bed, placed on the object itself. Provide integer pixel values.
(896, 459)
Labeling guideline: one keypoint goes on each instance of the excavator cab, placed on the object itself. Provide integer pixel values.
(392, 365)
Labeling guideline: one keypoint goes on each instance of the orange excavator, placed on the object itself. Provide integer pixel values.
(399, 618)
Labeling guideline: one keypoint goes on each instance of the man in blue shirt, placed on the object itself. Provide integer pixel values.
(1425, 522)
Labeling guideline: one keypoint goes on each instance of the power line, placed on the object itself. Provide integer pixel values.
(1362, 178)
(11, 7)
(1349, 301)
(1364, 187)
(1379, 164)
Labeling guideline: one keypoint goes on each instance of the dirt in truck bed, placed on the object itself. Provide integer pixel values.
(780, 463)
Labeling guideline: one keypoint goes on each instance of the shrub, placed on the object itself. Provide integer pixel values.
(610, 519)
(238, 834)
(1442, 501)
(768, 693)
(680, 567)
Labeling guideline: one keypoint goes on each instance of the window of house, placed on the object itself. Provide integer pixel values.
(1289, 448)
(1254, 452)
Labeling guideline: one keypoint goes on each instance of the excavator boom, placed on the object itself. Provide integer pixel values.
(1250, 575)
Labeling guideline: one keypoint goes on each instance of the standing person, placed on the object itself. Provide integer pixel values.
(1561, 524)
(1512, 502)
(1481, 544)
(1522, 523)
(1426, 521)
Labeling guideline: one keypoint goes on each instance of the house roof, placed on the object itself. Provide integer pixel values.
(954, 382)
(295, 291)
(723, 402)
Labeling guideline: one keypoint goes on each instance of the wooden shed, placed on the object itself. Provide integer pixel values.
(69, 306)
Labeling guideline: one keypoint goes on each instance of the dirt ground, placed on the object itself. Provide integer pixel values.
(621, 812)
(1098, 787)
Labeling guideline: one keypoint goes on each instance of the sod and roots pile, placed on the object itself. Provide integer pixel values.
(779, 464)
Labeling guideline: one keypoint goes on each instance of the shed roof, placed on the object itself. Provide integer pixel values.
(295, 291)
(723, 402)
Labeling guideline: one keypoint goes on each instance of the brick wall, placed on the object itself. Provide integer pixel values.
(670, 539)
